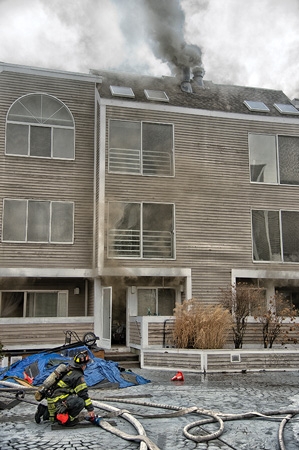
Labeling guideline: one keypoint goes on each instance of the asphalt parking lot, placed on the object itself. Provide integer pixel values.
(223, 393)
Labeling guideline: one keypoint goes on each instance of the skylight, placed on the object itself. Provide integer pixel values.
(286, 109)
(159, 96)
(122, 91)
(256, 106)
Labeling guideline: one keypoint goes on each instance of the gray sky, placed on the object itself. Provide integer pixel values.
(245, 42)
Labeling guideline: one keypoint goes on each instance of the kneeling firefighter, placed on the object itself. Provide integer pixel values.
(68, 395)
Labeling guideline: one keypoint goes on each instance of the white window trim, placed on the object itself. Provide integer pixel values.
(141, 149)
(276, 135)
(26, 241)
(280, 236)
(29, 124)
(34, 291)
(141, 228)
(156, 288)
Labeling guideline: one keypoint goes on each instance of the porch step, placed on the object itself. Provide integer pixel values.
(127, 360)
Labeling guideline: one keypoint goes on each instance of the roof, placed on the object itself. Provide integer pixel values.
(213, 97)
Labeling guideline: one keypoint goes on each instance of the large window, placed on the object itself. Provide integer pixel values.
(33, 304)
(141, 230)
(156, 301)
(275, 235)
(141, 148)
(274, 159)
(38, 221)
(41, 126)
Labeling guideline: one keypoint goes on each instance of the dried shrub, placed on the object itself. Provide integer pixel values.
(242, 300)
(272, 318)
(197, 326)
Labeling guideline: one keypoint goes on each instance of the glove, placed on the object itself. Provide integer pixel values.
(61, 409)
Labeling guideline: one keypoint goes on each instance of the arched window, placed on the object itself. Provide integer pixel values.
(40, 125)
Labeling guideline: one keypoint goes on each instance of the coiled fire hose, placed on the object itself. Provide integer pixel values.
(146, 443)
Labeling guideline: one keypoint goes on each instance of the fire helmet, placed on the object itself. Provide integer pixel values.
(81, 358)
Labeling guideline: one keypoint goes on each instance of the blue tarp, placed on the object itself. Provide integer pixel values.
(97, 370)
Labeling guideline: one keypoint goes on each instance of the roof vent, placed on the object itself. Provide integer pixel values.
(186, 81)
(198, 74)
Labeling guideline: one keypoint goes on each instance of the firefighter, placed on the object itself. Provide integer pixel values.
(68, 396)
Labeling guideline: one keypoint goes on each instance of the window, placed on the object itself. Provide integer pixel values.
(275, 235)
(256, 106)
(141, 230)
(156, 301)
(37, 221)
(274, 159)
(286, 108)
(122, 91)
(41, 126)
(33, 304)
(152, 94)
(141, 148)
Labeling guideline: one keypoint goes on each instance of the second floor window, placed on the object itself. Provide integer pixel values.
(38, 221)
(274, 159)
(41, 126)
(141, 148)
(275, 235)
(141, 230)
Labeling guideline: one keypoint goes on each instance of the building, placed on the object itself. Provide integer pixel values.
(123, 194)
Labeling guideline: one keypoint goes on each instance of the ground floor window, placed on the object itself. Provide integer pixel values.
(156, 301)
(33, 304)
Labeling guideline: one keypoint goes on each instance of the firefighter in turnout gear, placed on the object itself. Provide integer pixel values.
(68, 396)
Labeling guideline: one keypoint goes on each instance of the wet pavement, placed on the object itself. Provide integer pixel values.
(225, 393)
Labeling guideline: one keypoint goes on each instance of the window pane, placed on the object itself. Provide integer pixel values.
(62, 304)
(146, 302)
(41, 304)
(288, 159)
(124, 229)
(33, 104)
(263, 160)
(18, 113)
(12, 304)
(17, 139)
(124, 134)
(166, 302)
(40, 141)
(55, 113)
(157, 147)
(290, 235)
(125, 147)
(14, 222)
(38, 221)
(266, 236)
(63, 143)
(157, 230)
(62, 222)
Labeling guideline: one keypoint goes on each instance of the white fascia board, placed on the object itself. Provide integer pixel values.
(264, 274)
(46, 320)
(6, 67)
(196, 112)
(45, 272)
(146, 272)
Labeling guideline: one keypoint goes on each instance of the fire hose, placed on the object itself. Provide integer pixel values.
(146, 443)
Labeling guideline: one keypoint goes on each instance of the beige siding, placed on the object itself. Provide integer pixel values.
(42, 179)
(47, 334)
(165, 360)
(212, 194)
(135, 337)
